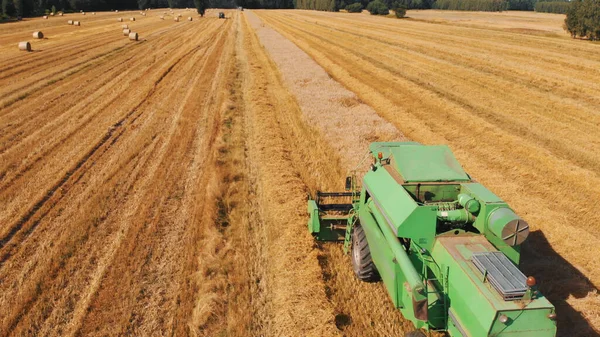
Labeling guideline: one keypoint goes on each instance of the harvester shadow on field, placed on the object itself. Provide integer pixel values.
(558, 280)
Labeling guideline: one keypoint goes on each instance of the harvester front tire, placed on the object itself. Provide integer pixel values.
(416, 333)
(363, 265)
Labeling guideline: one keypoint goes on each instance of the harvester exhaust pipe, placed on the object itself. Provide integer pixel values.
(508, 226)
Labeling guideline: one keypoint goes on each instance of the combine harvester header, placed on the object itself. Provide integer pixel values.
(446, 248)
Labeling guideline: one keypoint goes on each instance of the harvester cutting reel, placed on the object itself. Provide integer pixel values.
(332, 214)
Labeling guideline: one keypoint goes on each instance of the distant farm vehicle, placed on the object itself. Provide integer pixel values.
(446, 248)
(221, 15)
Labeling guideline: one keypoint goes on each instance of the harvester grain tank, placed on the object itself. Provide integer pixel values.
(446, 248)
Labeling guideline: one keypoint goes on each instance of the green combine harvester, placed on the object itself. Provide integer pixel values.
(446, 248)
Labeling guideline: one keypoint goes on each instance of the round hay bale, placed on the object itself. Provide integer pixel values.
(82, 13)
(189, 18)
(125, 27)
(162, 17)
(131, 19)
(60, 14)
(133, 36)
(120, 19)
(176, 19)
(52, 14)
(45, 17)
(117, 11)
(126, 32)
(26, 46)
(179, 15)
(94, 13)
(70, 22)
(76, 23)
(38, 35)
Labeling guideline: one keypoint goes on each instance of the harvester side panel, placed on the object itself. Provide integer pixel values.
(397, 274)
(401, 213)
(475, 304)
(383, 257)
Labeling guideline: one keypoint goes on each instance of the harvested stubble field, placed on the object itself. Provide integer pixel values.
(159, 187)
(547, 24)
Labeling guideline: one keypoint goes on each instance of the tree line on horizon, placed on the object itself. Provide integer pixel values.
(14, 8)
(25, 8)
(551, 6)
(583, 16)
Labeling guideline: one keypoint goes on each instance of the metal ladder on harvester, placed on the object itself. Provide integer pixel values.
(431, 283)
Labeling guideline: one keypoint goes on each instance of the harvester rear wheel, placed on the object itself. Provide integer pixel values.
(364, 268)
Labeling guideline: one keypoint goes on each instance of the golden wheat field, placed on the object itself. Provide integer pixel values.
(159, 186)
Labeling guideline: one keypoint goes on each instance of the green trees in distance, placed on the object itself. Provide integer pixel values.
(13, 8)
(39, 7)
(270, 4)
(583, 19)
(409, 4)
(334, 5)
(320, 5)
(200, 6)
(559, 7)
(377, 7)
(400, 12)
(472, 5)
(521, 5)
(354, 8)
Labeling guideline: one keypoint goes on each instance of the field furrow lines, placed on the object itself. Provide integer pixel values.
(159, 186)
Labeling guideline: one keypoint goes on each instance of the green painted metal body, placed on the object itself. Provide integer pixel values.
(424, 218)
